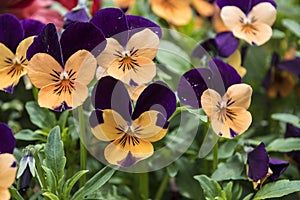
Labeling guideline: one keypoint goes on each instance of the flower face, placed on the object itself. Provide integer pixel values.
(63, 79)
(14, 42)
(130, 133)
(260, 166)
(8, 164)
(253, 27)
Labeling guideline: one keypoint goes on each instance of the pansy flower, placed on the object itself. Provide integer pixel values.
(63, 68)
(293, 132)
(279, 82)
(125, 5)
(130, 134)
(15, 38)
(203, 7)
(78, 14)
(131, 46)
(218, 90)
(260, 167)
(235, 60)
(249, 20)
(8, 164)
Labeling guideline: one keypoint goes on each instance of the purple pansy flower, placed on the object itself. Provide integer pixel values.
(260, 166)
(76, 15)
(130, 133)
(292, 66)
(62, 68)
(8, 141)
(15, 38)
(292, 131)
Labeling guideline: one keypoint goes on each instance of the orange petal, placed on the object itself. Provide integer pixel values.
(209, 101)
(4, 194)
(42, 68)
(239, 95)
(4, 56)
(8, 169)
(203, 7)
(146, 43)
(241, 122)
(150, 126)
(217, 21)
(124, 3)
(110, 127)
(10, 76)
(126, 151)
(263, 12)
(23, 47)
(235, 61)
(83, 64)
(231, 16)
(134, 92)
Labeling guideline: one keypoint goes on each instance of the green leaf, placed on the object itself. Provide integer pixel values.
(277, 189)
(210, 187)
(29, 135)
(41, 117)
(228, 190)
(54, 153)
(50, 180)
(292, 25)
(248, 197)
(233, 169)
(277, 34)
(71, 182)
(172, 170)
(287, 118)
(15, 194)
(284, 145)
(97, 181)
(62, 121)
(50, 196)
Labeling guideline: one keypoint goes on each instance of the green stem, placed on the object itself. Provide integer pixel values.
(177, 111)
(39, 170)
(162, 186)
(143, 180)
(216, 160)
(83, 152)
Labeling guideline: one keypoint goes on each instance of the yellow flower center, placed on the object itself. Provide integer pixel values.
(248, 25)
(225, 112)
(127, 61)
(130, 135)
(16, 65)
(65, 81)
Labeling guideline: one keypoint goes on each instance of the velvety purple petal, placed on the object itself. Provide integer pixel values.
(258, 162)
(226, 43)
(244, 5)
(32, 27)
(11, 31)
(292, 66)
(46, 42)
(207, 46)
(9, 89)
(78, 15)
(7, 142)
(192, 84)
(224, 75)
(81, 35)
(157, 96)
(110, 93)
(137, 23)
(277, 167)
(111, 21)
(292, 131)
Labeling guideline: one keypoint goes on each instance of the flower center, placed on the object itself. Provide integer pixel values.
(16, 65)
(248, 25)
(130, 135)
(64, 81)
(224, 112)
(127, 61)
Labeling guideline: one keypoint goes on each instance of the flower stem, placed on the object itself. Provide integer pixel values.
(162, 186)
(39, 171)
(216, 160)
(143, 179)
(83, 152)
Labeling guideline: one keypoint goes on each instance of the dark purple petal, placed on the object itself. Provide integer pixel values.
(207, 46)
(224, 75)
(62, 107)
(292, 131)
(111, 21)
(96, 118)
(11, 31)
(109, 93)
(157, 96)
(277, 167)
(137, 23)
(244, 5)
(77, 15)
(7, 141)
(269, 77)
(292, 66)
(25, 179)
(192, 84)
(9, 89)
(226, 43)
(32, 27)
(46, 42)
(81, 35)
(258, 162)
(129, 160)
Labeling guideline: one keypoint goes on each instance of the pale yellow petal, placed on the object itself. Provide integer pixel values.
(8, 169)
(241, 121)
(235, 61)
(232, 16)
(6, 57)
(135, 91)
(23, 47)
(239, 95)
(10, 76)
(263, 12)
(4, 194)
(209, 101)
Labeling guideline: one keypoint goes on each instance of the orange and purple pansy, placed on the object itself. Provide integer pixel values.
(132, 44)
(219, 92)
(260, 167)
(15, 38)
(62, 68)
(8, 163)
(250, 20)
(130, 133)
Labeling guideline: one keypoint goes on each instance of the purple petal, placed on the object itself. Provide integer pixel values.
(244, 5)
(269, 75)
(292, 66)
(137, 23)
(109, 93)
(224, 75)
(9, 89)
(32, 27)
(7, 142)
(79, 36)
(46, 42)
(226, 43)
(277, 167)
(128, 161)
(111, 21)
(157, 96)
(78, 15)
(11, 31)
(258, 162)
(207, 46)
(192, 84)
(291, 131)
